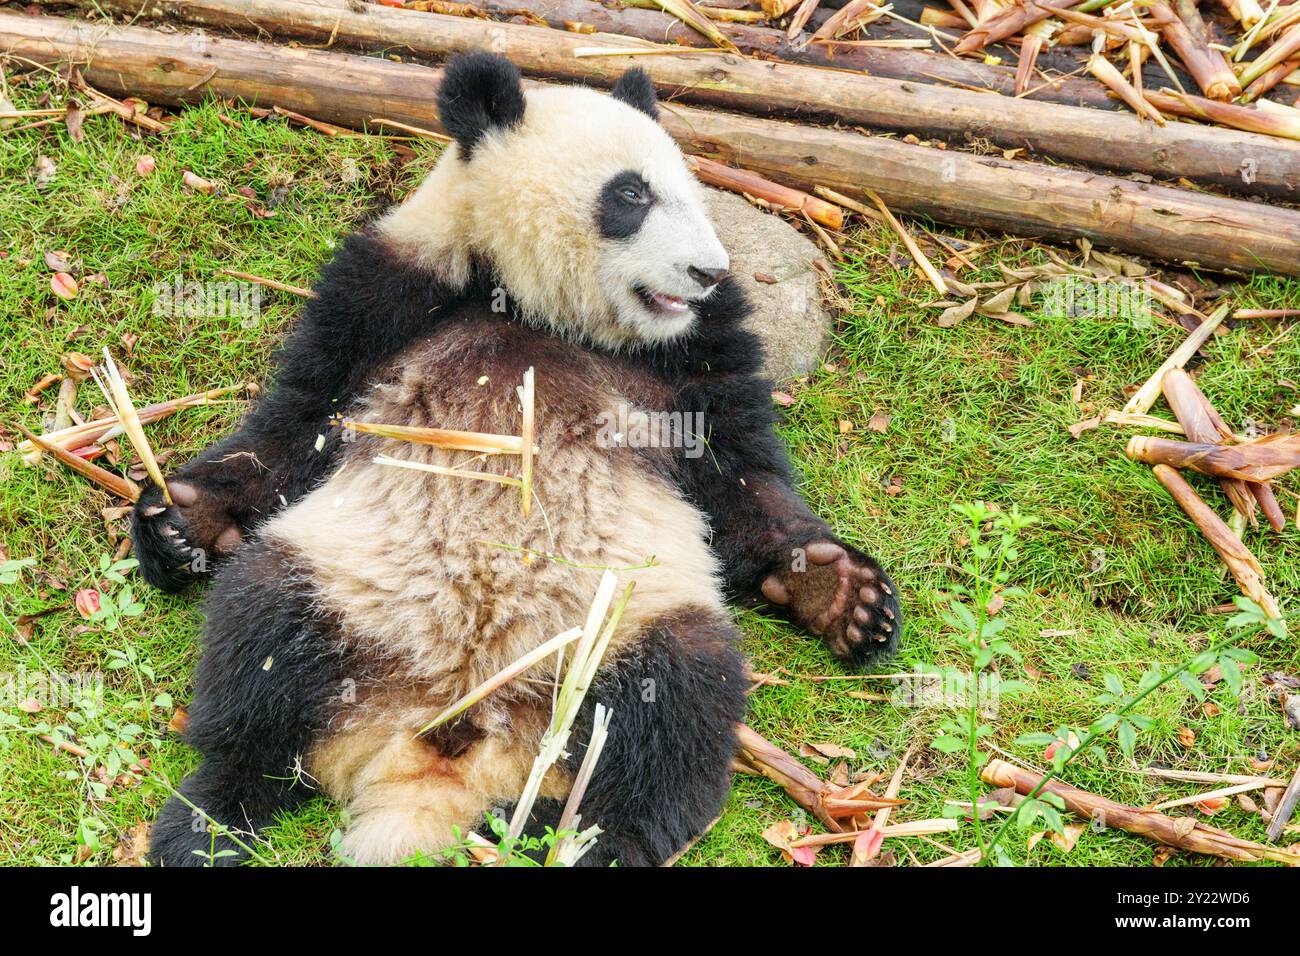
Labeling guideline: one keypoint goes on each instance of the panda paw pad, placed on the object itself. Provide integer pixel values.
(841, 595)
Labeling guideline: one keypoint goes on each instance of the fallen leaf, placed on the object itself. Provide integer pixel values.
(58, 261)
(1210, 709)
(1211, 805)
(30, 706)
(781, 834)
(996, 603)
(1087, 425)
(866, 846)
(1162, 855)
(145, 165)
(784, 399)
(133, 846)
(1186, 736)
(956, 314)
(832, 750)
(879, 422)
(1065, 841)
(846, 426)
(180, 721)
(63, 285)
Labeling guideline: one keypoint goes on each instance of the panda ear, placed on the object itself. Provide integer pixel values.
(480, 92)
(635, 89)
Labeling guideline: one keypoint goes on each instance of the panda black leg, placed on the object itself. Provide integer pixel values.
(269, 676)
(665, 770)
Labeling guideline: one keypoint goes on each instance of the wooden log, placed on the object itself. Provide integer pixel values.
(1244, 162)
(1185, 833)
(961, 188)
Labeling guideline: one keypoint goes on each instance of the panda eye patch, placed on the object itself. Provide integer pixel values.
(625, 201)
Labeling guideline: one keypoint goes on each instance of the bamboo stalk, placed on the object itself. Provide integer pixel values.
(447, 472)
(1146, 396)
(922, 261)
(1243, 564)
(1285, 809)
(528, 406)
(1010, 21)
(1249, 118)
(110, 382)
(1195, 798)
(1202, 422)
(743, 181)
(804, 787)
(1281, 51)
(1261, 460)
(1104, 70)
(1201, 776)
(1184, 833)
(868, 844)
(1207, 65)
(442, 437)
(75, 436)
(122, 487)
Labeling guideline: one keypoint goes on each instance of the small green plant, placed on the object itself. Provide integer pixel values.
(970, 614)
(114, 607)
(993, 550)
(11, 570)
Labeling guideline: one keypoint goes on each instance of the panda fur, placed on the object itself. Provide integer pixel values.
(354, 601)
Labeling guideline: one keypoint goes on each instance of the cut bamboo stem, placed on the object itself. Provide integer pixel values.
(783, 197)
(804, 787)
(1285, 809)
(1146, 396)
(1183, 833)
(1207, 65)
(482, 442)
(99, 429)
(110, 382)
(1202, 422)
(122, 487)
(1243, 564)
(1261, 460)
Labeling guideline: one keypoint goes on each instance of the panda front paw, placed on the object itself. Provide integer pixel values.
(841, 595)
(177, 543)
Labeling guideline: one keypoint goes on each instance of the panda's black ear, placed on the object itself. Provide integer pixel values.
(635, 89)
(480, 92)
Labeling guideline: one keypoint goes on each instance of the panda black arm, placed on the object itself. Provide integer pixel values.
(370, 304)
(771, 544)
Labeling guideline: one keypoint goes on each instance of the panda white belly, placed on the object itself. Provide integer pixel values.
(410, 566)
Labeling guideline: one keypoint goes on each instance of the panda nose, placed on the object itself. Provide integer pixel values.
(706, 277)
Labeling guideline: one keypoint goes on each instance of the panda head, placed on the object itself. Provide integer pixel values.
(579, 201)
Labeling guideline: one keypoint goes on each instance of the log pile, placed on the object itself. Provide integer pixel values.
(744, 126)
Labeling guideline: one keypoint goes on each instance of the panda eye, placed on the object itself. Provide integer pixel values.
(632, 195)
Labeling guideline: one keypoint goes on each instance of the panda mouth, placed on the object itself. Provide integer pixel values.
(662, 302)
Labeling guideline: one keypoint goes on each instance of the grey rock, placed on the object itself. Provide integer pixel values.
(788, 315)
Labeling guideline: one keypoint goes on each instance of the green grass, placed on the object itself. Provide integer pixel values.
(979, 412)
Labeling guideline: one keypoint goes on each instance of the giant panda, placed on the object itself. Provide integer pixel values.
(561, 231)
